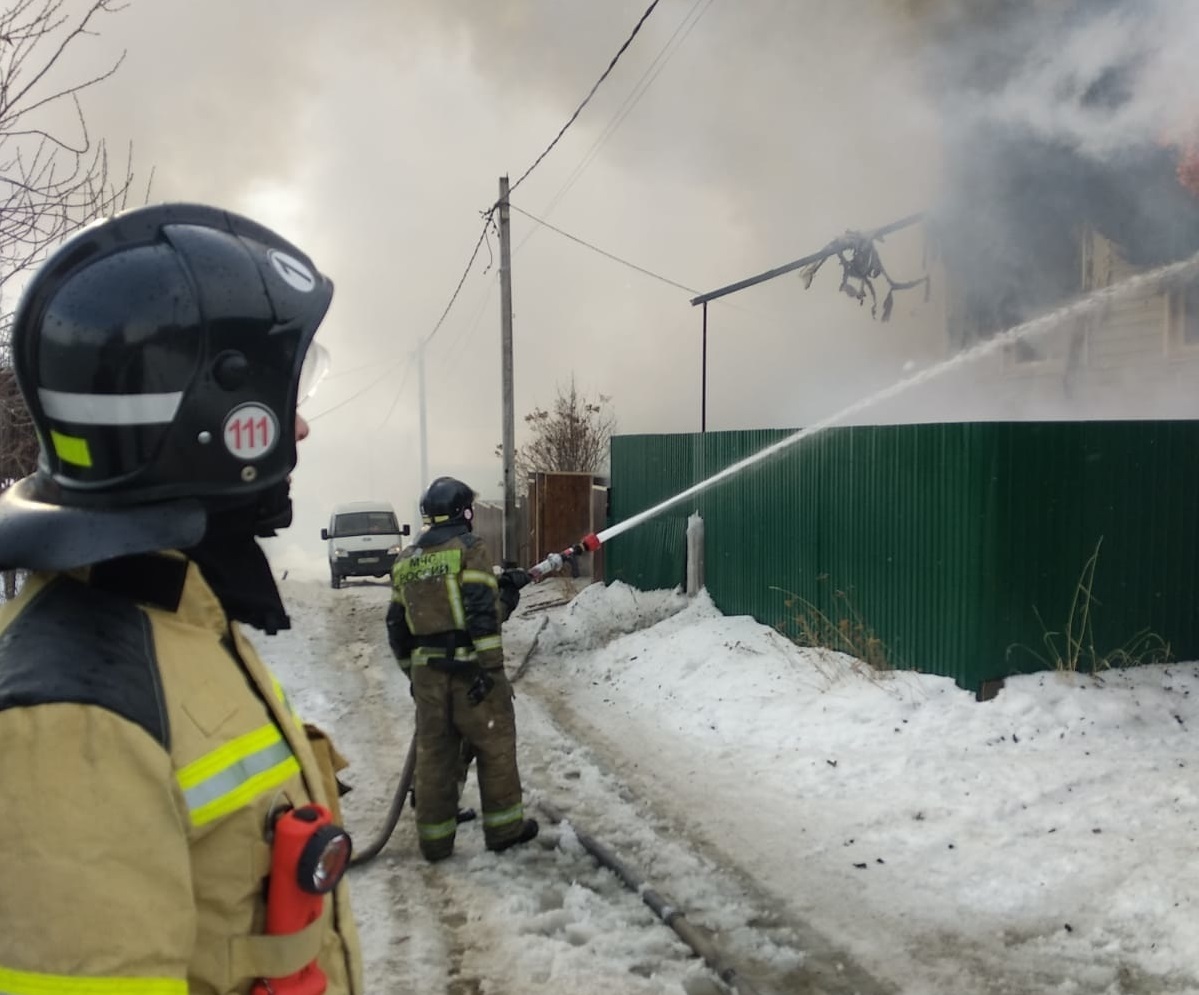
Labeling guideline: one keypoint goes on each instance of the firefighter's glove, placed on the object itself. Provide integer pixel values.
(510, 582)
(515, 577)
(480, 688)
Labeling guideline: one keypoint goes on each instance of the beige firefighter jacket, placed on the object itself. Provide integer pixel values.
(144, 747)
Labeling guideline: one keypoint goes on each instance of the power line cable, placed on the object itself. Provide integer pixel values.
(487, 216)
(374, 383)
(591, 93)
(624, 262)
(490, 212)
(468, 329)
(602, 252)
(399, 393)
(622, 112)
(635, 95)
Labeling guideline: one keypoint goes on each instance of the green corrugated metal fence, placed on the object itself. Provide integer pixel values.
(956, 547)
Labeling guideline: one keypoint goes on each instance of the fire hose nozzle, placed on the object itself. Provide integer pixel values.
(556, 561)
(551, 564)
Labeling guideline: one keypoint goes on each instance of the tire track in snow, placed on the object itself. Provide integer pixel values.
(775, 953)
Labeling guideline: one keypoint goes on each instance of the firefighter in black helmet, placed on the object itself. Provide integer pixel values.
(162, 354)
(444, 628)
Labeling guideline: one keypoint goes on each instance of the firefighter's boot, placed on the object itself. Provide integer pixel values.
(528, 831)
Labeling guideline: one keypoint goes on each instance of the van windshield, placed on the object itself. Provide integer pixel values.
(361, 523)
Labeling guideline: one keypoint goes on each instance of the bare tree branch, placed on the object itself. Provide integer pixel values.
(52, 182)
(572, 437)
(42, 26)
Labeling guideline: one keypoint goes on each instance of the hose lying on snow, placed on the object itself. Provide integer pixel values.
(519, 672)
(670, 914)
(397, 806)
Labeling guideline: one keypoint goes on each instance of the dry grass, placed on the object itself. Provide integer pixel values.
(1071, 648)
(845, 631)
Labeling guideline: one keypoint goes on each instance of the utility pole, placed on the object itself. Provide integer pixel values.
(424, 436)
(703, 377)
(511, 546)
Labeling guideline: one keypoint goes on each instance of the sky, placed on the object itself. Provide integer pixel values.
(729, 139)
(836, 829)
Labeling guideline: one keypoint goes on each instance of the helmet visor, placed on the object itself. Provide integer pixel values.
(315, 369)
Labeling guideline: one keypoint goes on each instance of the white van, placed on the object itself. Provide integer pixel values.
(364, 539)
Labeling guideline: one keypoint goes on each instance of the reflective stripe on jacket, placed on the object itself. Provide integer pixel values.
(144, 754)
(445, 587)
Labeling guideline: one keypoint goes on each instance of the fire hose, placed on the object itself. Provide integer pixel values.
(403, 789)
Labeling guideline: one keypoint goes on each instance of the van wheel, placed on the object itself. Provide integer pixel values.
(334, 580)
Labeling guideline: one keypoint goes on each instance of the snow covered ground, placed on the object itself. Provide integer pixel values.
(833, 829)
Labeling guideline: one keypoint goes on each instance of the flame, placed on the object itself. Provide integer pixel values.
(1188, 166)
(1184, 140)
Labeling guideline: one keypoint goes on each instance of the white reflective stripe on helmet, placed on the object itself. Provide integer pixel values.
(110, 409)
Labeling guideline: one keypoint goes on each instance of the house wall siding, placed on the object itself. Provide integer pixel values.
(1131, 331)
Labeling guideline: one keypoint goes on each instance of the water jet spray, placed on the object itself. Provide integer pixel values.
(1085, 307)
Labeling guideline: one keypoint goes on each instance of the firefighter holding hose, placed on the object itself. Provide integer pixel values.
(171, 826)
(444, 627)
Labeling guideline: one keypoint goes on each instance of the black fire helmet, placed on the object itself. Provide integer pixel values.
(447, 499)
(160, 353)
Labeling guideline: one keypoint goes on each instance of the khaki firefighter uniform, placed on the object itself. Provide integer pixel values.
(444, 627)
(145, 746)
